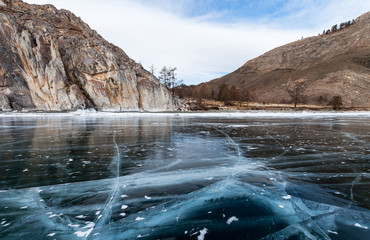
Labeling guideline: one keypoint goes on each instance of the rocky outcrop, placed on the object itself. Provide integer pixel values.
(51, 60)
(322, 67)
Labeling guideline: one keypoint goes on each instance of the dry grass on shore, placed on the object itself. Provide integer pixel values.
(208, 104)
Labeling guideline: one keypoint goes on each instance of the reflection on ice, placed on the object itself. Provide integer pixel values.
(173, 177)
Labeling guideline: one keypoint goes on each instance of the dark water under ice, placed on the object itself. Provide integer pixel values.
(187, 176)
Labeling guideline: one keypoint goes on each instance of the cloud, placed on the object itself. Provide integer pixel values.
(203, 43)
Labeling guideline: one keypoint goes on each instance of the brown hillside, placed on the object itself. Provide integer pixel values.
(332, 64)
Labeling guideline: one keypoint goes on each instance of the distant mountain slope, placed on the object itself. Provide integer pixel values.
(51, 60)
(331, 64)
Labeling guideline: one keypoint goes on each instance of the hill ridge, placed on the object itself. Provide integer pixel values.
(270, 77)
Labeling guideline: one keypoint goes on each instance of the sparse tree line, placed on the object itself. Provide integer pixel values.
(230, 95)
(167, 76)
(298, 97)
(225, 94)
(339, 27)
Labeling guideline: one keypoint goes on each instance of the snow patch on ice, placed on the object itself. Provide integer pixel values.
(83, 234)
(232, 219)
(287, 197)
(89, 225)
(124, 207)
(202, 233)
(139, 219)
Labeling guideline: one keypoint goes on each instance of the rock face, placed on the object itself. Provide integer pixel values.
(51, 60)
(322, 67)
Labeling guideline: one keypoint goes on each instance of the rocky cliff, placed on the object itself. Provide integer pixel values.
(51, 60)
(334, 64)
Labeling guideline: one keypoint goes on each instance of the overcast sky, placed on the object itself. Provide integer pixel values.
(206, 39)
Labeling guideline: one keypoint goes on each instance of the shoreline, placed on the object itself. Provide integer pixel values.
(209, 113)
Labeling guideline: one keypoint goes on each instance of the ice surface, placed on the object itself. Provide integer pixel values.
(185, 176)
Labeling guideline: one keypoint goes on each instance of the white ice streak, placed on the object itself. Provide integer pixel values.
(73, 226)
(142, 236)
(361, 226)
(60, 214)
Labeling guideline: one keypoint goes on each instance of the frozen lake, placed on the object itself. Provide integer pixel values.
(185, 176)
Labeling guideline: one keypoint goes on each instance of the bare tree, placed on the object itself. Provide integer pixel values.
(173, 79)
(152, 69)
(234, 93)
(203, 93)
(223, 93)
(168, 78)
(164, 77)
(296, 93)
(244, 97)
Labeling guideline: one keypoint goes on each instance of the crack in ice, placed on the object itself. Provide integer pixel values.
(100, 220)
(236, 147)
(356, 180)
(282, 146)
